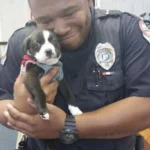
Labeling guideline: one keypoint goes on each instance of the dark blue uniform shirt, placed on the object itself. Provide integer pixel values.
(131, 78)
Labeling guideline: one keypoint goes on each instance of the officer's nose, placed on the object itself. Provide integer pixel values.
(61, 27)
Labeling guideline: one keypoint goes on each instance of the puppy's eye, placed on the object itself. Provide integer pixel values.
(37, 45)
(54, 41)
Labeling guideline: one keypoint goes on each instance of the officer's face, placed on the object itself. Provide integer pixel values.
(69, 19)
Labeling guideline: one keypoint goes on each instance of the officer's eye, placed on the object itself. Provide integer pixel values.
(46, 22)
(43, 21)
(68, 15)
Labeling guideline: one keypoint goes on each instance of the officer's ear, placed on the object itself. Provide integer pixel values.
(26, 46)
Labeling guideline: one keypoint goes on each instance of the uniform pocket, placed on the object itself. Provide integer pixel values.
(106, 89)
(97, 81)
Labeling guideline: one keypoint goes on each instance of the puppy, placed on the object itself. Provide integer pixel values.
(41, 53)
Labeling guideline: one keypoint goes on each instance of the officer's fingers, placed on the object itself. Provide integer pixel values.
(50, 99)
(16, 115)
(30, 102)
(48, 89)
(17, 125)
(46, 79)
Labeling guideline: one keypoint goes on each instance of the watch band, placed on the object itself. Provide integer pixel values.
(70, 122)
(68, 134)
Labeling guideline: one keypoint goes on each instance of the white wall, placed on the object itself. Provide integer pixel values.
(13, 15)
(136, 7)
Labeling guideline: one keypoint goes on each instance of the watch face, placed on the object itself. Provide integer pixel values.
(68, 136)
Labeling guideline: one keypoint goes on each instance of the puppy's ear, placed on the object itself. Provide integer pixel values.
(26, 46)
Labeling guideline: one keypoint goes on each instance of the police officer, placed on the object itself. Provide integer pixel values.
(106, 63)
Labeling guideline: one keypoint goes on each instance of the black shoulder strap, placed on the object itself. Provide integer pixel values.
(101, 13)
(108, 24)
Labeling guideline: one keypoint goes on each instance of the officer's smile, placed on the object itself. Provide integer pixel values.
(64, 39)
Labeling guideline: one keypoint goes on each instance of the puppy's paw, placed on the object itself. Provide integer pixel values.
(45, 116)
(74, 110)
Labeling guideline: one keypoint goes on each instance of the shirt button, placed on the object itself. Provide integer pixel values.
(110, 83)
(74, 75)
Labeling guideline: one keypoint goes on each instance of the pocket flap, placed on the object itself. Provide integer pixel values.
(105, 83)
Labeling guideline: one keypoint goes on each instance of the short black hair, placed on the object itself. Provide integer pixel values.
(31, 23)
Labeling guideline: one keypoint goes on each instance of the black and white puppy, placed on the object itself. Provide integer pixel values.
(42, 48)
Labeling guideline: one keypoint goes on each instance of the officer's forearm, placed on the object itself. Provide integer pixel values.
(3, 107)
(118, 120)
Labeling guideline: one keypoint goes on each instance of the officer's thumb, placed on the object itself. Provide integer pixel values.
(19, 83)
(20, 77)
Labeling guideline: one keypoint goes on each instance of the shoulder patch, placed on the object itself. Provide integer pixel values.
(145, 30)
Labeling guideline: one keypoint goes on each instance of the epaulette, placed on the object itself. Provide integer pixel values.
(130, 14)
(100, 13)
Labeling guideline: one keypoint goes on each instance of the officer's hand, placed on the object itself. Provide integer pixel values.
(49, 87)
(33, 125)
(21, 94)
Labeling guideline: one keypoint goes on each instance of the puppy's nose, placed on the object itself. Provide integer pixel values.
(49, 53)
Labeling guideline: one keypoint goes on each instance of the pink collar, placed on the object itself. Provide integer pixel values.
(27, 59)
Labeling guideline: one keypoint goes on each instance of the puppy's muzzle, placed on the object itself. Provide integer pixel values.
(49, 53)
